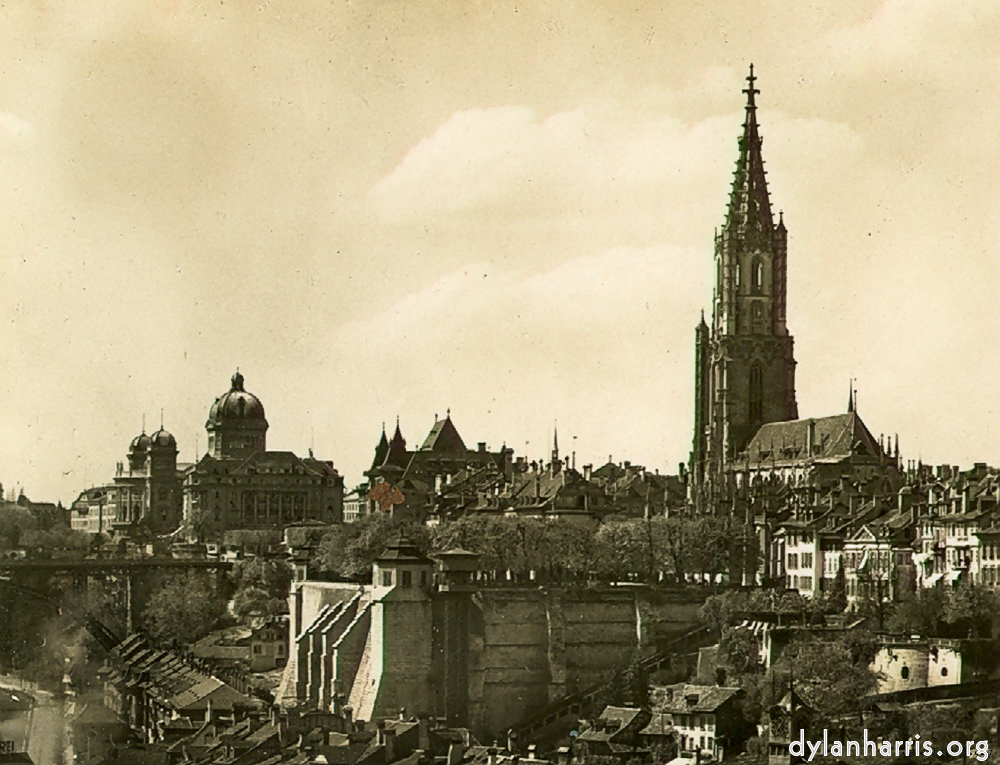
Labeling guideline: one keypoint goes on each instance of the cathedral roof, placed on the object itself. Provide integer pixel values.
(833, 438)
(749, 203)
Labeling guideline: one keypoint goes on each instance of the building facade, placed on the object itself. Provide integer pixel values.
(239, 484)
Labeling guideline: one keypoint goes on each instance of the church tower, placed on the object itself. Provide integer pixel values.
(744, 366)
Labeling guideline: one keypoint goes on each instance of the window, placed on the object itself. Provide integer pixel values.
(756, 398)
(793, 560)
(387, 578)
(758, 275)
(904, 673)
(258, 649)
(407, 578)
(944, 672)
(279, 649)
(423, 578)
(807, 560)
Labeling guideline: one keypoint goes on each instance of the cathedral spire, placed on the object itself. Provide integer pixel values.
(749, 205)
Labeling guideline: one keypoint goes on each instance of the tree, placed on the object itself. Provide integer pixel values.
(921, 614)
(349, 550)
(833, 675)
(970, 610)
(261, 588)
(184, 609)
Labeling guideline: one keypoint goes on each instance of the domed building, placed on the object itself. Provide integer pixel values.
(240, 485)
(145, 497)
(236, 424)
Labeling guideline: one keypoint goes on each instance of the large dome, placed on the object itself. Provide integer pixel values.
(236, 404)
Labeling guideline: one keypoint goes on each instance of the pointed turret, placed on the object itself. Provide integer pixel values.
(749, 203)
(396, 456)
(850, 399)
(381, 449)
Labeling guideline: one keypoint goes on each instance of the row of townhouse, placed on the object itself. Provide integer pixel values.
(943, 527)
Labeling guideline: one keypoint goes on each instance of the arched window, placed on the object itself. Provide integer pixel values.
(904, 673)
(756, 397)
(758, 275)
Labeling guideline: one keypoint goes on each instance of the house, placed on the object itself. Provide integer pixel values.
(615, 732)
(151, 689)
(708, 719)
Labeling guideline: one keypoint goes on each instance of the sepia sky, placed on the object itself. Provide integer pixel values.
(502, 208)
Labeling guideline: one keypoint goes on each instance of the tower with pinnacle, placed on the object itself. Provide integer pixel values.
(744, 364)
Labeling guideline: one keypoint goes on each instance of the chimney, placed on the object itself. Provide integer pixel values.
(208, 711)
(348, 712)
(424, 733)
(810, 438)
(389, 735)
(586, 472)
(482, 447)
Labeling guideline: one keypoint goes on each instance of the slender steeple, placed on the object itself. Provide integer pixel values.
(850, 398)
(749, 204)
(381, 450)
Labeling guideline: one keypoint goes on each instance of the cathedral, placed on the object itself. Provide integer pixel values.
(745, 364)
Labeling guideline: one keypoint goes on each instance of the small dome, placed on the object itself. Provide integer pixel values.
(140, 443)
(163, 439)
(236, 404)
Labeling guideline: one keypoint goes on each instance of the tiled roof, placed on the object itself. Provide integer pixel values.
(835, 437)
(697, 698)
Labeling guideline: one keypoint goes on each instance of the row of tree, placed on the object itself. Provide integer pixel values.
(526, 548)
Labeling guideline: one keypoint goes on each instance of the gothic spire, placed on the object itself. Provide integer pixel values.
(749, 204)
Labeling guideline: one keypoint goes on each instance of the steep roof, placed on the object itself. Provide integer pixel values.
(444, 437)
(833, 438)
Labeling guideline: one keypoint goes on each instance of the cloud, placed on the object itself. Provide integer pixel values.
(589, 158)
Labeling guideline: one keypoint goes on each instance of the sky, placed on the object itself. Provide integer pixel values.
(503, 209)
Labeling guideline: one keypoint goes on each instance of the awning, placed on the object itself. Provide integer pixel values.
(953, 576)
(933, 580)
(921, 557)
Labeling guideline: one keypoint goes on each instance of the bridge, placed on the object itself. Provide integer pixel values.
(96, 565)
